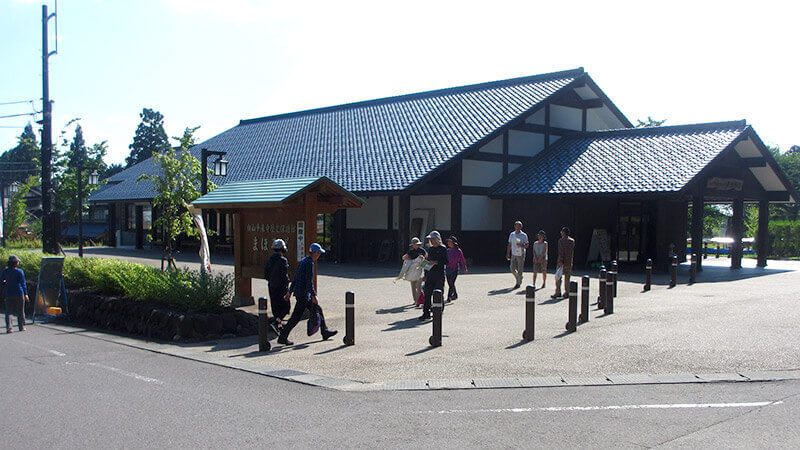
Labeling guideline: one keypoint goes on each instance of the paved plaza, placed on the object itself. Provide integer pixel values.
(729, 321)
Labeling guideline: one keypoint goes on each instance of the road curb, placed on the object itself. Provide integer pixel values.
(345, 385)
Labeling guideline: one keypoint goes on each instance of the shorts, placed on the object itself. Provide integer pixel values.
(540, 267)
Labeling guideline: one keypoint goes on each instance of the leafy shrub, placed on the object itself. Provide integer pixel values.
(182, 289)
(784, 236)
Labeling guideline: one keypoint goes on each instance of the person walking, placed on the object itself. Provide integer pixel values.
(455, 261)
(566, 248)
(415, 252)
(16, 292)
(434, 279)
(540, 257)
(276, 272)
(305, 296)
(515, 254)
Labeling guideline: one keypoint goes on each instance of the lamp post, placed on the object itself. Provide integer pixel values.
(93, 178)
(220, 167)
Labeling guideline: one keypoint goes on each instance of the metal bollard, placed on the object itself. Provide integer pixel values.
(614, 273)
(717, 255)
(584, 317)
(693, 270)
(572, 322)
(648, 277)
(674, 269)
(350, 318)
(530, 313)
(608, 304)
(437, 304)
(263, 326)
(705, 250)
(601, 298)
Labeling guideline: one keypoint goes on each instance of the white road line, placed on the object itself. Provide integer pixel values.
(127, 374)
(54, 352)
(609, 407)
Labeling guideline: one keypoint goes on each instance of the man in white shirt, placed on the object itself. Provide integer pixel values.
(515, 254)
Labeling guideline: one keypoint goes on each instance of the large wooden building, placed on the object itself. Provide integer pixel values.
(551, 150)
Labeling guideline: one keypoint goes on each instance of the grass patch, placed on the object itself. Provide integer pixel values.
(181, 289)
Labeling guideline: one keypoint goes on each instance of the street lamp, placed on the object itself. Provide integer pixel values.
(220, 167)
(93, 181)
(94, 178)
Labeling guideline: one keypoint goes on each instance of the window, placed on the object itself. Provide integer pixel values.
(130, 217)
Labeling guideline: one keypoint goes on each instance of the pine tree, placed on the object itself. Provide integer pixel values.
(150, 137)
(18, 163)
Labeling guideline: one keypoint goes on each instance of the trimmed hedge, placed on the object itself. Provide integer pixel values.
(784, 236)
(181, 289)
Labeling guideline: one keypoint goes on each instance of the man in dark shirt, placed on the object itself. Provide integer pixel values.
(276, 272)
(305, 296)
(434, 279)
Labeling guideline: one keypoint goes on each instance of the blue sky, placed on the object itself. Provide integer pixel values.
(211, 63)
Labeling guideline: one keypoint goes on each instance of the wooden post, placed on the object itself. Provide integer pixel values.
(762, 240)
(698, 211)
(243, 286)
(310, 217)
(738, 232)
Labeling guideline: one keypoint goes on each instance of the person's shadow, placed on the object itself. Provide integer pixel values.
(501, 291)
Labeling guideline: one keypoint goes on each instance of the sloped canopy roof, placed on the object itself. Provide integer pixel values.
(377, 145)
(271, 192)
(641, 160)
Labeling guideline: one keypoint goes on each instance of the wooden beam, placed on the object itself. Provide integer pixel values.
(505, 153)
(543, 129)
(780, 196)
(496, 157)
(593, 103)
(752, 162)
(762, 237)
(446, 189)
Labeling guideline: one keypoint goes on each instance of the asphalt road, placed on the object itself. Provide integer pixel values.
(67, 390)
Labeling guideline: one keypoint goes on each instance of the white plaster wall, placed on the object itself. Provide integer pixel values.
(481, 213)
(440, 203)
(747, 149)
(536, 118)
(513, 166)
(602, 119)
(586, 93)
(371, 216)
(480, 173)
(566, 117)
(493, 146)
(524, 144)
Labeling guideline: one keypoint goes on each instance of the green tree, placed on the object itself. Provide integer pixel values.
(21, 161)
(150, 137)
(17, 210)
(175, 186)
(90, 160)
(789, 163)
(111, 170)
(650, 122)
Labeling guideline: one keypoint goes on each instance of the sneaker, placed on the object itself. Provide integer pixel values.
(556, 295)
(424, 317)
(9, 331)
(285, 341)
(327, 334)
(516, 286)
(21, 328)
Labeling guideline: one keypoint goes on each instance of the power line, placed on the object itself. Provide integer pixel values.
(16, 103)
(18, 115)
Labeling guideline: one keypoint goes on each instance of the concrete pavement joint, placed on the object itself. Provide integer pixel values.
(296, 376)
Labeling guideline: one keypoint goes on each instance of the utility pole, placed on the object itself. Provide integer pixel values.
(49, 244)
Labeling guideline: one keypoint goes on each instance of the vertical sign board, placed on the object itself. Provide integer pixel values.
(50, 285)
(301, 240)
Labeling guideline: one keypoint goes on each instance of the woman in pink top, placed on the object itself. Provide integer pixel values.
(455, 261)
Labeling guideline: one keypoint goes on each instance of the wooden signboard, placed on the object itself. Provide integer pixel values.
(600, 247)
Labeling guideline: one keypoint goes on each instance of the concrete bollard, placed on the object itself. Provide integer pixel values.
(674, 271)
(614, 273)
(350, 318)
(693, 269)
(584, 317)
(608, 304)
(530, 313)
(263, 326)
(572, 321)
(437, 304)
(601, 298)
(648, 277)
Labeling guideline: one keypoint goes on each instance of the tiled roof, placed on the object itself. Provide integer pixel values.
(657, 159)
(265, 191)
(377, 145)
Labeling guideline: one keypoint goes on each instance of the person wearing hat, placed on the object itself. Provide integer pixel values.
(305, 296)
(455, 261)
(434, 279)
(515, 253)
(414, 252)
(276, 272)
(16, 292)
